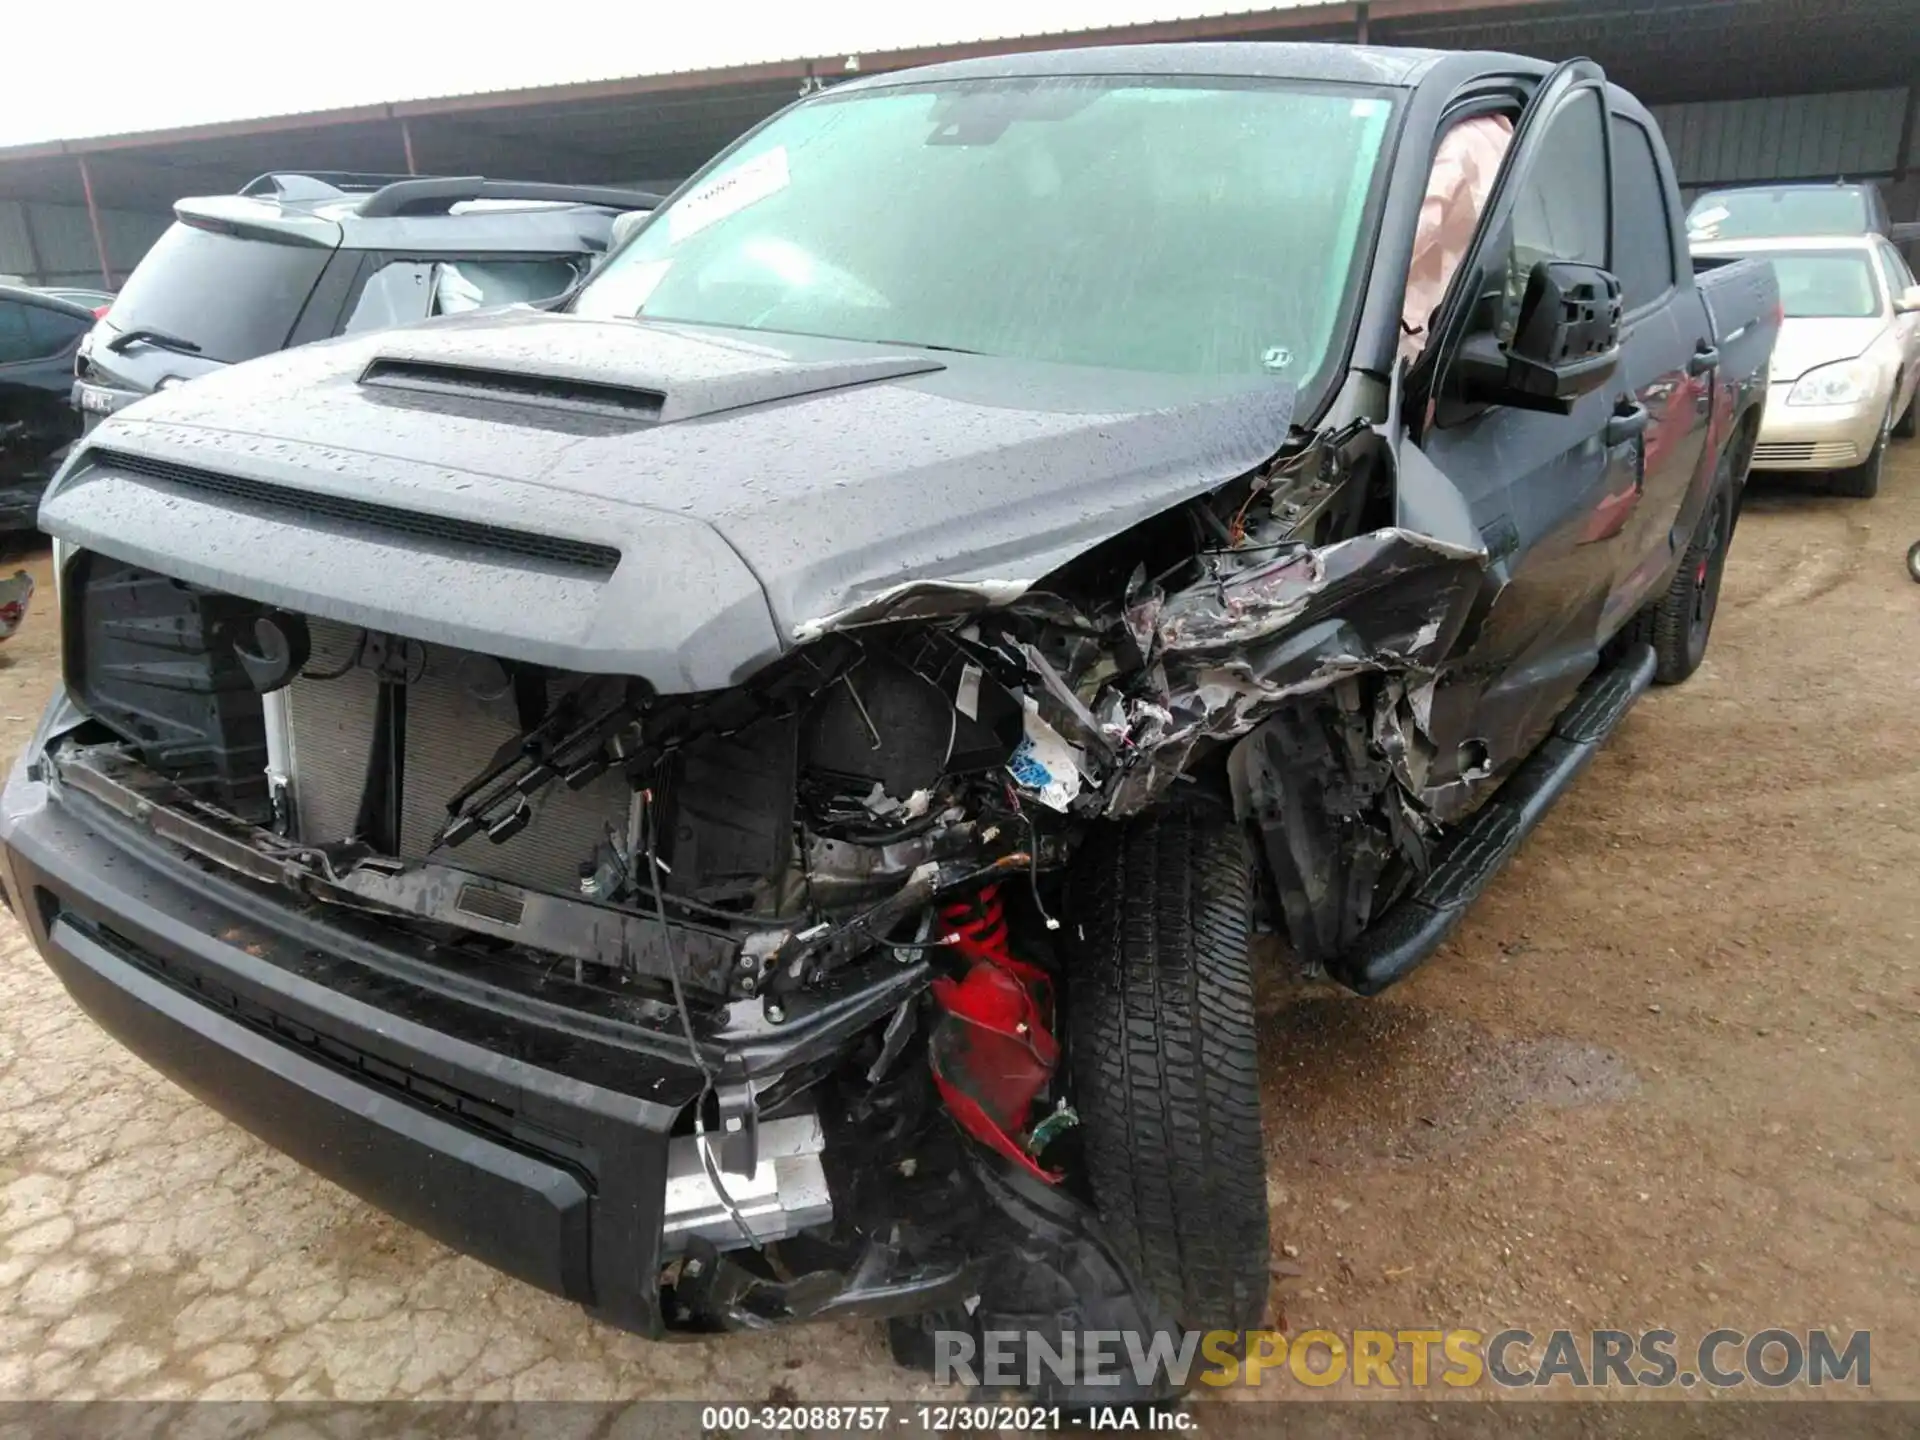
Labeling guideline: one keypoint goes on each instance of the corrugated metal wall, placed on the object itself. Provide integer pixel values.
(1797, 137)
(1792, 137)
(53, 244)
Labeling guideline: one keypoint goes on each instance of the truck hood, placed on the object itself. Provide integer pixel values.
(1806, 343)
(749, 491)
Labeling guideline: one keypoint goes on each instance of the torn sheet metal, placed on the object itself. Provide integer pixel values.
(1402, 719)
(1220, 656)
(917, 599)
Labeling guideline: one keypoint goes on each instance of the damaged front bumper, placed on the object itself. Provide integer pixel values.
(516, 1121)
(333, 1050)
(498, 1045)
(508, 1124)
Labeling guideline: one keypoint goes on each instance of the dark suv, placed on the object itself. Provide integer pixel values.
(39, 333)
(294, 258)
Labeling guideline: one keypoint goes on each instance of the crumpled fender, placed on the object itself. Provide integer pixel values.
(1223, 655)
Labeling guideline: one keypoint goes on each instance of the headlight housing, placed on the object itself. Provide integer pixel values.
(1846, 383)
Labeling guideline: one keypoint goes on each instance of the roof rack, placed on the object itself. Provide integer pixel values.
(438, 195)
(315, 184)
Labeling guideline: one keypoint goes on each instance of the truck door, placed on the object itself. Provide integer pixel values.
(1663, 391)
(1539, 486)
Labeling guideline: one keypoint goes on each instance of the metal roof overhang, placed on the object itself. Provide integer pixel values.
(656, 127)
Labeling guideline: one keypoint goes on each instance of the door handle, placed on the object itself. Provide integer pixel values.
(1628, 422)
(1704, 359)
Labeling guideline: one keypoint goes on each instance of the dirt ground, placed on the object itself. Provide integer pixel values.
(1664, 1077)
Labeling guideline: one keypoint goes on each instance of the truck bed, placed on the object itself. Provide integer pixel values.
(1739, 294)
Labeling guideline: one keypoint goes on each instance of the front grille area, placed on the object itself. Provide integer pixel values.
(454, 725)
(1832, 453)
(303, 505)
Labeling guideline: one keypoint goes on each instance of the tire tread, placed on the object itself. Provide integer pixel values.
(1162, 1055)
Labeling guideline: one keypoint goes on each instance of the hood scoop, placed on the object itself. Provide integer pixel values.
(513, 387)
(637, 404)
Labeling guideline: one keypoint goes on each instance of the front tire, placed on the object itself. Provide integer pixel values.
(1862, 482)
(1909, 423)
(1162, 1057)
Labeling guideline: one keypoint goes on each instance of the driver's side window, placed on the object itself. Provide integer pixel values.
(1561, 207)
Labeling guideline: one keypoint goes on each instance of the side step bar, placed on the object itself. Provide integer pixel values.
(1416, 925)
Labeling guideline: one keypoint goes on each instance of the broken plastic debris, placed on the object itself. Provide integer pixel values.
(1045, 764)
(883, 806)
(967, 698)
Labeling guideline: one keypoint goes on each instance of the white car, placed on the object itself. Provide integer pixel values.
(1848, 357)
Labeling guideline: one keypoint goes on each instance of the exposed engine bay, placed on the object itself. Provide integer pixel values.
(886, 812)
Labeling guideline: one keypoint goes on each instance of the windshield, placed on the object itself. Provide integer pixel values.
(1825, 285)
(1170, 226)
(235, 298)
(1756, 214)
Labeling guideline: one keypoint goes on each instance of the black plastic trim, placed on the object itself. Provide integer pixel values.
(427, 377)
(304, 505)
(436, 195)
(516, 1213)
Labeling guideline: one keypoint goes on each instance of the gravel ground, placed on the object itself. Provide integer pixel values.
(1665, 1076)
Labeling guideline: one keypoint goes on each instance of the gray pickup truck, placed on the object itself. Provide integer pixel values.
(744, 795)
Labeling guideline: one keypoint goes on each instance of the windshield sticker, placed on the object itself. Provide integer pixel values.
(744, 185)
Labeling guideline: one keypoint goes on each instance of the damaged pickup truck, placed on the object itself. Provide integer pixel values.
(744, 794)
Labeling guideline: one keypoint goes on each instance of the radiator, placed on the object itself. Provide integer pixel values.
(452, 733)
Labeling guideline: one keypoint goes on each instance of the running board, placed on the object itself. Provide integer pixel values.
(1416, 924)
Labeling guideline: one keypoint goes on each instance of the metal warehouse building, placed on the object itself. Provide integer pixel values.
(1748, 90)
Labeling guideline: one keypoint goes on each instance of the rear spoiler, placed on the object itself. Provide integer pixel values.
(315, 184)
(437, 195)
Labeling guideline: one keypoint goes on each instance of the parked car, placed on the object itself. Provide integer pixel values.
(294, 258)
(742, 797)
(1847, 364)
(1755, 212)
(39, 334)
(98, 301)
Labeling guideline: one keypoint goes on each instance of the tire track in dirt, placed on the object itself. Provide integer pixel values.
(1835, 548)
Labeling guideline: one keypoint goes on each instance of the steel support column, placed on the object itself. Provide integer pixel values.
(93, 219)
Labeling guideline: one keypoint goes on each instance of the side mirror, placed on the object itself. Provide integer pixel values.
(1565, 343)
(1907, 301)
